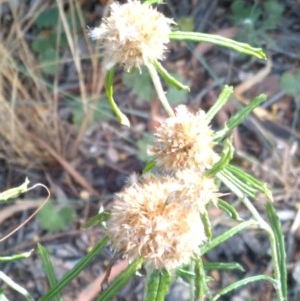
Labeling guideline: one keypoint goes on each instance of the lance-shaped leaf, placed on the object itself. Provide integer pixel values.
(219, 41)
(109, 93)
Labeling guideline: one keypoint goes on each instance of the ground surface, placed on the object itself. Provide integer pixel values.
(57, 129)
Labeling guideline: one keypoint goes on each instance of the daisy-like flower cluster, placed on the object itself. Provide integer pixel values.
(152, 220)
(158, 217)
(134, 34)
(184, 141)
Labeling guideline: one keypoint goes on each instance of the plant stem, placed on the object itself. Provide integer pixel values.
(16, 286)
(159, 89)
(263, 225)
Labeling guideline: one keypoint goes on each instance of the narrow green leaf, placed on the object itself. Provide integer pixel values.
(150, 2)
(14, 192)
(228, 209)
(96, 220)
(229, 179)
(206, 223)
(158, 285)
(149, 166)
(221, 101)
(219, 41)
(225, 236)
(243, 282)
(16, 257)
(250, 180)
(168, 77)
(280, 246)
(48, 268)
(201, 287)
(76, 270)
(241, 114)
(185, 274)
(228, 266)
(226, 157)
(110, 74)
(124, 277)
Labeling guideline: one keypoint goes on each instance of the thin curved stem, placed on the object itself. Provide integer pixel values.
(159, 89)
(265, 226)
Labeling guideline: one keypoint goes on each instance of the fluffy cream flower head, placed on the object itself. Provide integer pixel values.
(184, 141)
(149, 221)
(133, 35)
(197, 190)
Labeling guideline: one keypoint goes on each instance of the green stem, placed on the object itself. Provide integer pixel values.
(16, 287)
(109, 93)
(263, 226)
(159, 89)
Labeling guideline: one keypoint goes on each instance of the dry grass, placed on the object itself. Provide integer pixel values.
(31, 126)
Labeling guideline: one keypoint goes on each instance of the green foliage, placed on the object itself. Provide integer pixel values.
(141, 85)
(48, 18)
(101, 111)
(142, 145)
(51, 38)
(158, 285)
(186, 23)
(290, 84)
(55, 220)
(48, 268)
(256, 19)
(74, 272)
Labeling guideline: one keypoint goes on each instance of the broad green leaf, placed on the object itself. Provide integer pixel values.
(55, 220)
(288, 84)
(49, 61)
(186, 23)
(176, 96)
(48, 18)
(42, 44)
(143, 144)
(140, 84)
(274, 11)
